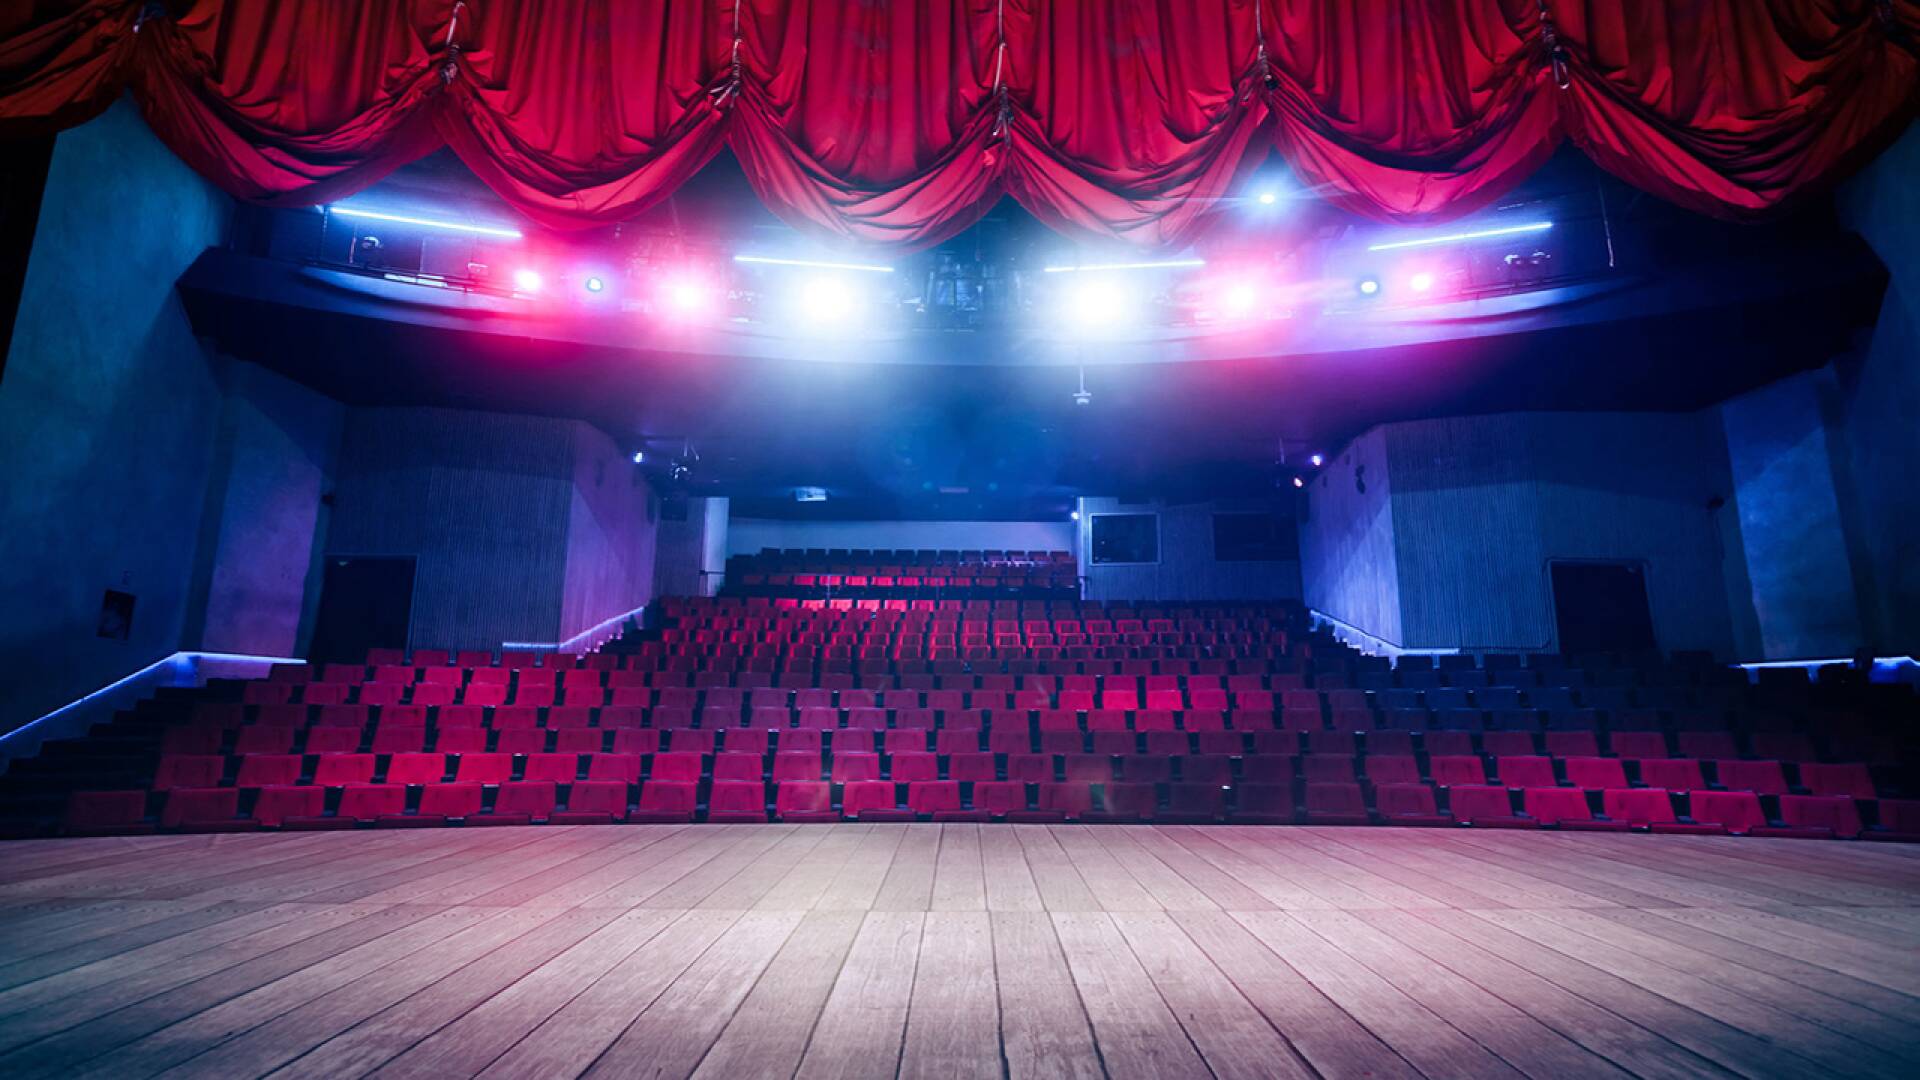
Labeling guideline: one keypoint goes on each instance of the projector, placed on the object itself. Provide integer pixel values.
(1083, 397)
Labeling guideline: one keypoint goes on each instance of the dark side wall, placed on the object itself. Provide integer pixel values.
(1880, 398)
(523, 528)
(108, 412)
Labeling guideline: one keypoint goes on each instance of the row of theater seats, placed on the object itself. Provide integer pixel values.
(792, 558)
(240, 729)
(605, 801)
(904, 575)
(1229, 709)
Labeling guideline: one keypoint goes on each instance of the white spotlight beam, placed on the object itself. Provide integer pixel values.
(1454, 238)
(425, 223)
(1167, 264)
(768, 260)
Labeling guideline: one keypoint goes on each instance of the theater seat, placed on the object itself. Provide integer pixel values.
(371, 802)
(204, 810)
(872, 800)
(999, 797)
(1643, 808)
(1737, 812)
(268, 770)
(1487, 807)
(1336, 804)
(188, 771)
(1454, 770)
(1815, 817)
(1124, 802)
(449, 802)
(940, 800)
(1759, 777)
(1262, 804)
(1195, 803)
(737, 801)
(1525, 772)
(804, 800)
(1408, 804)
(1566, 808)
(1595, 773)
(593, 802)
(1057, 802)
(106, 813)
(667, 801)
(1672, 774)
(1852, 780)
(520, 802)
(1899, 821)
(294, 807)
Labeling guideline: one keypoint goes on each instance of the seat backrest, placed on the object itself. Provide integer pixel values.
(1550, 806)
(1596, 773)
(1637, 806)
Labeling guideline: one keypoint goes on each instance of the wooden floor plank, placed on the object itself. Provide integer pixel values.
(953, 1015)
(863, 1023)
(883, 949)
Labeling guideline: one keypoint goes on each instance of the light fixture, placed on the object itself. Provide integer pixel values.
(526, 280)
(1083, 396)
(1454, 238)
(1240, 298)
(1075, 515)
(1421, 281)
(1268, 198)
(425, 223)
(1298, 482)
(1317, 460)
(769, 260)
(1167, 264)
(594, 284)
(1368, 286)
(1097, 304)
(827, 300)
(683, 296)
(639, 457)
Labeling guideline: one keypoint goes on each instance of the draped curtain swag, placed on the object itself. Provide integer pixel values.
(900, 123)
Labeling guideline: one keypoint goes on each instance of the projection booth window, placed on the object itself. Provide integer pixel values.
(1126, 538)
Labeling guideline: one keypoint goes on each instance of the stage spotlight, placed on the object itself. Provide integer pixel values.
(1298, 482)
(526, 280)
(1368, 286)
(1075, 515)
(594, 284)
(1421, 281)
(1096, 304)
(683, 298)
(639, 457)
(1317, 460)
(1240, 299)
(1268, 198)
(827, 301)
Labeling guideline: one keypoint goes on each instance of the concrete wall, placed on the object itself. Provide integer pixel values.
(1880, 401)
(523, 529)
(1348, 564)
(1186, 569)
(610, 535)
(108, 413)
(276, 452)
(747, 536)
(1802, 589)
(693, 549)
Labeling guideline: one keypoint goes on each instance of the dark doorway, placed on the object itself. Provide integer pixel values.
(365, 603)
(1601, 607)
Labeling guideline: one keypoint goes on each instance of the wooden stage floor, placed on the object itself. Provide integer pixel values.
(958, 950)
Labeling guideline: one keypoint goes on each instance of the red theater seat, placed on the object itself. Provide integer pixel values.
(594, 802)
(913, 768)
(1408, 804)
(999, 797)
(1595, 774)
(1737, 812)
(484, 769)
(264, 739)
(371, 802)
(1336, 803)
(294, 807)
(1057, 802)
(848, 768)
(450, 802)
(520, 802)
(1457, 770)
(204, 810)
(1899, 821)
(665, 801)
(737, 801)
(1565, 807)
(188, 771)
(738, 767)
(1486, 807)
(1815, 817)
(1525, 772)
(339, 770)
(871, 800)
(1852, 780)
(268, 770)
(106, 813)
(804, 800)
(1759, 777)
(1262, 804)
(676, 767)
(1638, 745)
(940, 800)
(558, 768)
(1195, 803)
(1671, 774)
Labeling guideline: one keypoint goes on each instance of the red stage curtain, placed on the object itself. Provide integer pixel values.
(900, 123)
(587, 112)
(61, 64)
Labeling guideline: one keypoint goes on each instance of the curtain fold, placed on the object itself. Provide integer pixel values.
(901, 123)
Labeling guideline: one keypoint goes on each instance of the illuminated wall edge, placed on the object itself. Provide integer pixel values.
(190, 668)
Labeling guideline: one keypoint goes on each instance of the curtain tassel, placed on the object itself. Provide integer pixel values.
(1557, 58)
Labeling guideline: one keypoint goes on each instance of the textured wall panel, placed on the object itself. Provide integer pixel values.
(1187, 569)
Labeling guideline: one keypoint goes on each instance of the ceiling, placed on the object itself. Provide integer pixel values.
(984, 424)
